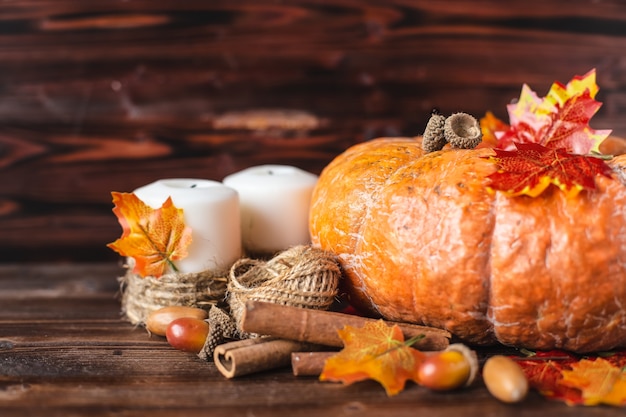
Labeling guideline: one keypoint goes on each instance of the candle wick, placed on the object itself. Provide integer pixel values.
(270, 172)
(193, 185)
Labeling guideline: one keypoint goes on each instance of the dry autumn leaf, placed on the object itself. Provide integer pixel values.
(376, 351)
(531, 168)
(559, 120)
(599, 381)
(562, 376)
(154, 238)
(544, 374)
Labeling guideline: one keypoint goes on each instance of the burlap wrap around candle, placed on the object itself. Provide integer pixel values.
(144, 295)
(301, 276)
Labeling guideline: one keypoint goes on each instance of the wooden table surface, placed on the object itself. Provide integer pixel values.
(66, 351)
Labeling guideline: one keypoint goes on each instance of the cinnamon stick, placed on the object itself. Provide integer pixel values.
(309, 363)
(320, 327)
(248, 356)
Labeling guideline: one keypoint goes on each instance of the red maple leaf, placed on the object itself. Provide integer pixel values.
(531, 168)
(544, 374)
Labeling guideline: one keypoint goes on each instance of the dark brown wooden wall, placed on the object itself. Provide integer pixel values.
(102, 95)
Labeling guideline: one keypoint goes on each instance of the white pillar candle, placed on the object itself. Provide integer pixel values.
(274, 201)
(211, 210)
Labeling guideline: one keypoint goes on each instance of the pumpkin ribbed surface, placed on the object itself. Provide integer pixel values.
(421, 239)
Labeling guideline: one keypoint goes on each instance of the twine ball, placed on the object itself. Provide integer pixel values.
(302, 276)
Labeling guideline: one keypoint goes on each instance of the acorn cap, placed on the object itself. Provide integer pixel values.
(434, 138)
(462, 131)
(471, 358)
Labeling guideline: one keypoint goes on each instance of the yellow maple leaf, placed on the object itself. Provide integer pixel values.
(558, 120)
(559, 93)
(154, 238)
(599, 381)
(376, 351)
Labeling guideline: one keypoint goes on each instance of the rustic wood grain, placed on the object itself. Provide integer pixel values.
(79, 358)
(104, 96)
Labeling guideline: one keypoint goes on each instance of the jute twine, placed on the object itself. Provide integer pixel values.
(143, 295)
(302, 276)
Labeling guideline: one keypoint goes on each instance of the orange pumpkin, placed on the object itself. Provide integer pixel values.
(421, 239)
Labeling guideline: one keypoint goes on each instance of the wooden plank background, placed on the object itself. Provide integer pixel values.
(99, 96)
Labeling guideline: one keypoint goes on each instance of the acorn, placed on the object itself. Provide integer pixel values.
(462, 131)
(505, 379)
(449, 369)
(433, 138)
(158, 321)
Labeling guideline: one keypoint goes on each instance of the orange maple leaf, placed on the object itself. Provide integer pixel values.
(559, 120)
(490, 125)
(154, 238)
(599, 381)
(531, 168)
(376, 351)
